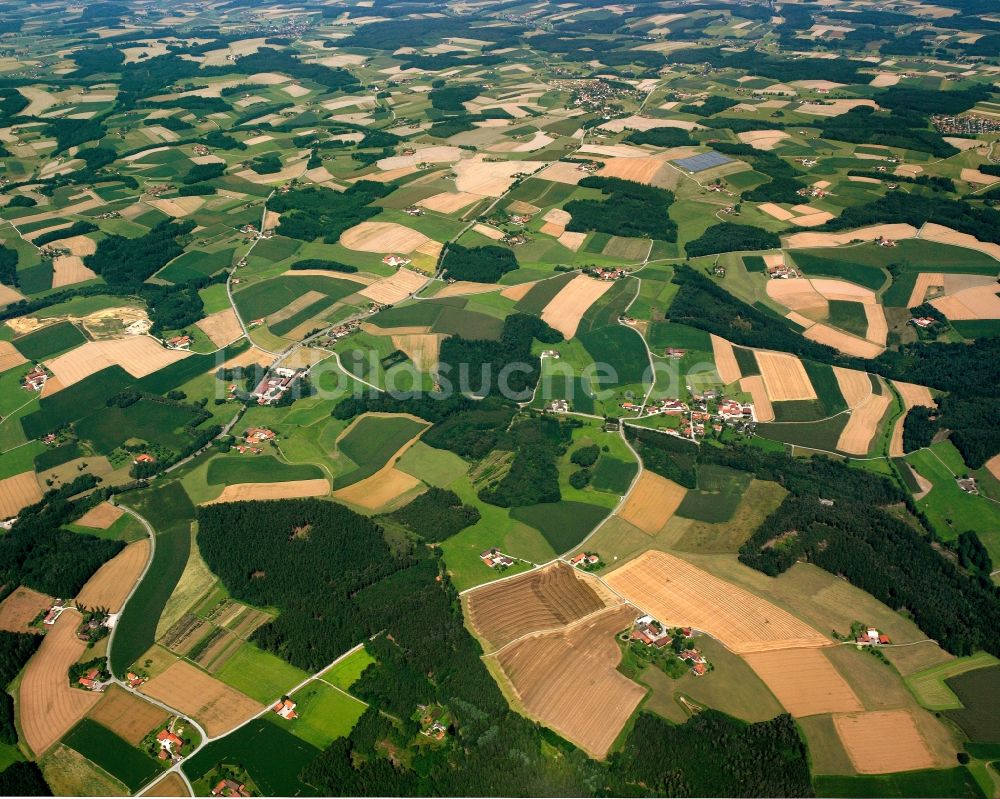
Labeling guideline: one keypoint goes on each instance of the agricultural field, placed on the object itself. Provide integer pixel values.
(398, 357)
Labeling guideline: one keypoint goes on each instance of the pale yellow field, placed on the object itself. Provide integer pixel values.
(680, 594)
(448, 202)
(292, 489)
(18, 492)
(423, 348)
(855, 386)
(22, 607)
(69, 269)
(846, 343)
(725, 360)
(754, 385)
(945, 235)
(784, 376)
(978, 302)
(518, 292)
(862, 424)
(812, 239)
(572, 240)
(640, 170)
(110, 585)
(912, 395)
(651, 503)
(489, 232)
(562, 172)
(391, 290)
(137, 355)
(380, 490)
(77, 245)
(490, 179)
(222, 327)
(299, 303)
(387, 237)
(882, 742)
(566, 309)
(776, 211)
(178, 206)
(804, 681)
(798, 294)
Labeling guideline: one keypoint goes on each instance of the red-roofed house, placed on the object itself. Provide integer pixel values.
(286, 709)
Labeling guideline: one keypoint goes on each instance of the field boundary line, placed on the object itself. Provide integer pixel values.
(550, 630)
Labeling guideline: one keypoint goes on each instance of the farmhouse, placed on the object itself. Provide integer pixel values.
(230, 788)
(649, 631)
(54, 612)
(91, 680)
(395, 260)
(134, 680)
(616, 273)
(35, 379)
(558, 406)
(673, 352)
(872, 637)
(494, 558)
(923, 321)
(257, 435)
(179, 342)
(144, 458)
(170, 744)
(276, 383)
(286, 709)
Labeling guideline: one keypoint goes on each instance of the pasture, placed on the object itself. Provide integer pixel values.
(258, 469)
(259, 674)
(930, 686)
(325, 714)
(346, 672)
(120, 759)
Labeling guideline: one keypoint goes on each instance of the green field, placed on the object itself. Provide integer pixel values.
(371, 442)
(621, 349)
(196, 263)
(180, 372)
(839, 264)
(170, 512)
(954, 782)
(930, 688)
(979, 693)
(719, 492)
(613, 475)
(270, 754)
(258, 469)
(158, 423)
(542, 292)
(76, 401)
(120, 759)
(346, 672)
(849, 317)
(49, 341)
(259, 674)
(674, 334)
(563, 524)
(325, 714)
(436, 467)
(261, 299)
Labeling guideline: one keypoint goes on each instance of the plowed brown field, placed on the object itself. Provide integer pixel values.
(539, 600)
(127, 715)
(48, 705)
(679, 594)
(804, 681)
(209, 701)
(568, 679)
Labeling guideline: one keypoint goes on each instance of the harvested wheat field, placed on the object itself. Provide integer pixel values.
(855, 386)
(391, 290)
(101, 517)
(382, 237)
(978, 302)
(562, 172)
(540, 600)
(491, 179)
(10, 356)
(776, 211)
(9, 295)
(566, 309)
(846, 343)
(209, 701)
(249, 357)
(18, 492)
(300, 303)
(222, 327)
(651, 502)
(811, 239)
(424, 349)
(127, 715)
(912, 395)
(77, 245)
(784, 376)
(883, 741)
(680, 594)
(834, 289)
(725, 360)
(862, 424)
(448, 202)
(993, 465)
(945, 235)
(21, 608)
(461, 288)
(380, 490)
(179, 206)
(568, 680)
(518, 292)
(291, 489)
(798, 294)
(137, 355)
(170, 785)
(69, 269)
(111, 584)
(763, 139)
(878, 327)
(437, 154)
(572, 240)
(48, 705)
(804, 681)
(754, 385)
(640, 170)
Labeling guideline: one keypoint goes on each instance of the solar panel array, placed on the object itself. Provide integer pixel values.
(702, 161)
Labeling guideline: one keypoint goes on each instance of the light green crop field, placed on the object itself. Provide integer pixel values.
(930, 688)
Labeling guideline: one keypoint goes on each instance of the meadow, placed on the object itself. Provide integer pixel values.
(325, 714)
(371, 442)
(49, 341)
(124, 762)
(257, 469)
(260, 675)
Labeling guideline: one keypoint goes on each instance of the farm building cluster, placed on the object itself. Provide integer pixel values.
(648, 631)
(495, 559)
(275, 384)
(705, 408)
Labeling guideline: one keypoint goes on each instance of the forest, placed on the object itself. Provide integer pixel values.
(478, 264)
(533, 477)
(730, 237)
(482, 366)
(311, 212)
(630, 209)
(15, 650)
(900, 128)
(668, 456)
(122, 261)
(436, 515)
